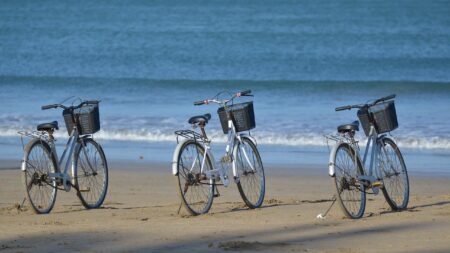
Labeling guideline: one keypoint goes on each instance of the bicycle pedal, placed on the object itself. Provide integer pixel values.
(216, 195)
(226, 159)
(59, 182)
(377, 184)
(85, 189)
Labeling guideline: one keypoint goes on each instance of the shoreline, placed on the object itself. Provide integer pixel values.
(435, 162)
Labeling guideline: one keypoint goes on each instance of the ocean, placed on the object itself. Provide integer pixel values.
(149, 60)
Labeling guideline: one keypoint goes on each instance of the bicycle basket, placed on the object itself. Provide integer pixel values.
(384, 116)
(88, 119)
(242, 115)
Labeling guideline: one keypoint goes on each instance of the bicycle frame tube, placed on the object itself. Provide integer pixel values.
(372, 141)
(229, 149)
(68, 150)
(231, 137)
(207, 149)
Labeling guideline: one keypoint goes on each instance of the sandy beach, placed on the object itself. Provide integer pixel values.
(140, 214)
(147, 62)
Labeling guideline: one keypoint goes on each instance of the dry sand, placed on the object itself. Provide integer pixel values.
(140, 215)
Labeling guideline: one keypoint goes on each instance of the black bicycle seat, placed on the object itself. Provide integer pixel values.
(200, 119)
(48, 126)
(354, 126)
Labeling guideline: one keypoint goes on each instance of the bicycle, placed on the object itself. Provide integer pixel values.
(41, 168)
(387, 170)
(195, 167)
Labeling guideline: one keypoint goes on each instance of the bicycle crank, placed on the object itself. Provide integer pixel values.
(62, 177)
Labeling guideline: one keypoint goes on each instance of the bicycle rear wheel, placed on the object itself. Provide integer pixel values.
(250, 171)
(350, 191)
(40, 188)
(195, 189)
(90, 173)
(395, 175)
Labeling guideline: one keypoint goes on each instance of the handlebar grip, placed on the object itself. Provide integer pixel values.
(341, 108)
(389, 97)
(201, 102)
(245, 92)
(383, 99)
(46, 107)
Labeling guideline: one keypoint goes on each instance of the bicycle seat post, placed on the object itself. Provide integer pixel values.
(50, 134)
(202, 128)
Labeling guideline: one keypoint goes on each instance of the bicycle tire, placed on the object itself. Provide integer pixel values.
(247, 177)
(39, 161)
(92, 183)
(348, 187)
(187, 180)
(395, 192)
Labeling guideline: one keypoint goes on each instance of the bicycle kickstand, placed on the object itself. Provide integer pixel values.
(322, 216)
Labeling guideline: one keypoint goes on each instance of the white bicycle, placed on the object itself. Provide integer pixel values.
(42, 171)
(197, 172)
(387, 169)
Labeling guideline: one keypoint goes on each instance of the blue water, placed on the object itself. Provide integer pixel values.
(148, 61)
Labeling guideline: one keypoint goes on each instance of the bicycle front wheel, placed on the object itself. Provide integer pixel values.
(350, 191)
(90, 173)
(250, 173)
(195, 189)
(395, 175)
(40, 187)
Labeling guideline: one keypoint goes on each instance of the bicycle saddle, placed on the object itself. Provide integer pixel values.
(200, 119)
(354, 126)
(48, 126)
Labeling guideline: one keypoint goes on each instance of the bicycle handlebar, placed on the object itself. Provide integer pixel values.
(46, 107)
(348, 107)
(201, 102)
(54, 106)
(246, 93)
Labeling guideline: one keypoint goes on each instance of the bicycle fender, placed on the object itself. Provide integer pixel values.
(23, 167)
(331, 169)
(176, 153)
(235, 174)
(235, 151)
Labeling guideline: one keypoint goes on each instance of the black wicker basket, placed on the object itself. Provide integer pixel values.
(88, 118)
(242, 115)
(384, 117)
